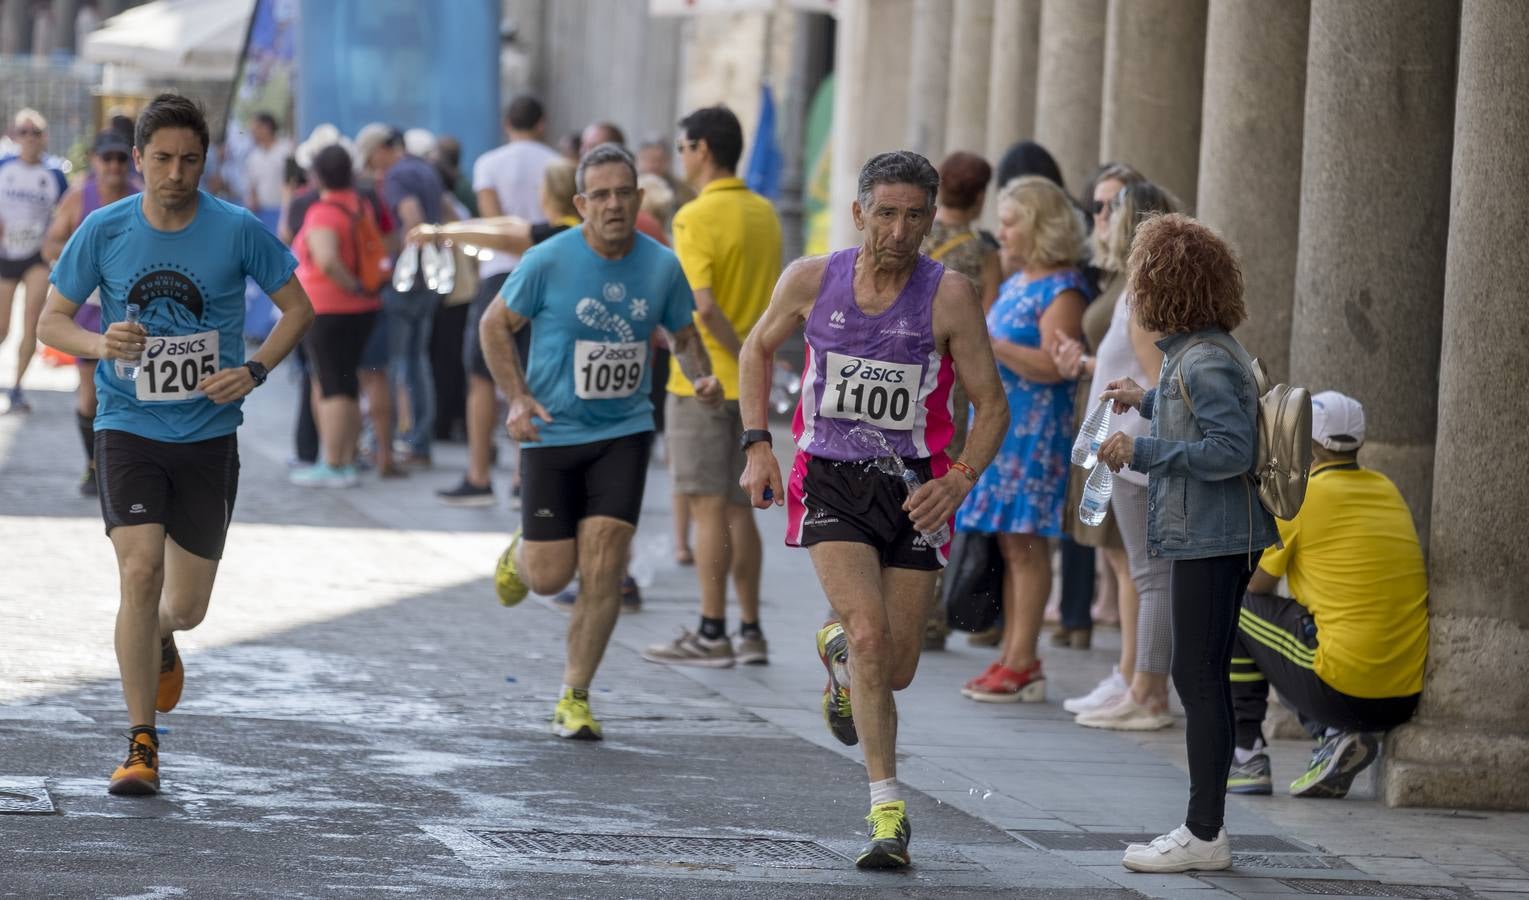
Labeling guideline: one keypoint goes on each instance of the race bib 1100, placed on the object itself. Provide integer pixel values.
(871, 391)
(608, 370)
(174, 366)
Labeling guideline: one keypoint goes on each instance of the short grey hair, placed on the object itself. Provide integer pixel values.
(603, 155)
(898, 167)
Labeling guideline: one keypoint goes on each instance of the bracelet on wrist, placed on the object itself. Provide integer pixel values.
(966, 470)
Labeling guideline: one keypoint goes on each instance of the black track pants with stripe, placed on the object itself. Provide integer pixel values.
(1276, 645)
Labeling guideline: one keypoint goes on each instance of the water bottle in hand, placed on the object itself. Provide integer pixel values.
(938, 537)
(127, 369)
(1096, 496)
(1085, 450)
(890, 463)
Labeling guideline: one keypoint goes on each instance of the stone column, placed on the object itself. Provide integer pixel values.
(1011, 81)
(1154, 65)
(1469, 745)
(1369, 285)
(15, 27)
(930, 62)
(1250, 157)
(971, 46)
(1068, 82)
(870, 99)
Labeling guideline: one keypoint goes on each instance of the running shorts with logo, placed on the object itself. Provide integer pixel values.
(881, 375)
(561, 486)
(188, 487)
(591, 319)
(190, 287)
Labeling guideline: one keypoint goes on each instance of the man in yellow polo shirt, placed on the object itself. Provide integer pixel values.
(1348, 651)
(728, 242)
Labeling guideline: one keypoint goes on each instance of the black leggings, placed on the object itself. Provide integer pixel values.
(1207, 594)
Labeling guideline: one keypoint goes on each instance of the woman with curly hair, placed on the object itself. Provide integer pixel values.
(1203, 512)
(1019, 497)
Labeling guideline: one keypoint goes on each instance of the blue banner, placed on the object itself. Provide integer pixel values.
(408, 63)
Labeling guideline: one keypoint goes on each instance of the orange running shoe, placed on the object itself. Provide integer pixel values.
(172, 675)
(139, 775)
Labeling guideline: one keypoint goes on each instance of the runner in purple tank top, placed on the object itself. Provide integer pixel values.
(110, 180)
(884, 325)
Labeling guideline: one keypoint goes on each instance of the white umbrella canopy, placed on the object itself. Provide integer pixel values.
(182, 38)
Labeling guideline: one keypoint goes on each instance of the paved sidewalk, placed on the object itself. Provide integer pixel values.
(361, 719)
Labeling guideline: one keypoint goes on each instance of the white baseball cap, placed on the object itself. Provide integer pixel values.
(1337, 421)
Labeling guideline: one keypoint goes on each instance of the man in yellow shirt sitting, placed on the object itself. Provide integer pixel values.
(1348, 651)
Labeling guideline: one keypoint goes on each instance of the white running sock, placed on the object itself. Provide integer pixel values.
(1245, 755)
(885, 791)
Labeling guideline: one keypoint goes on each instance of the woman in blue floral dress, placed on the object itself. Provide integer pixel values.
(1020, 496)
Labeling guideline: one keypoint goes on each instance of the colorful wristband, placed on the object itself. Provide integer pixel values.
(964, 469)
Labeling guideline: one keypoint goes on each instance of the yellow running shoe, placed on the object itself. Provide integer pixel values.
(890, 833)
(573, 718)
(138, 776)
(833, 650)
(507, 583)
(172, 676)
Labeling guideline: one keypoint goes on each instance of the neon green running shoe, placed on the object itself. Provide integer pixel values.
(507, 583)
(1334, 764)
(833, 650)
(890, 833)
(573, 719)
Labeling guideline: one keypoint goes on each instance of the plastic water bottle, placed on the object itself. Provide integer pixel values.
(405, 269)
(446, 271)
(940, 536)
(127, 369)
(1085, 450)
(1096, 496)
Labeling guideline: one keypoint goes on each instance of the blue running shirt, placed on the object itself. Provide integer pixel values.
(591, 319)
(187, 282)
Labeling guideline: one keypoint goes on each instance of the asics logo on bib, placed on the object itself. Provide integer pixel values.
(170, 345)
(871, 372)
(613, 353)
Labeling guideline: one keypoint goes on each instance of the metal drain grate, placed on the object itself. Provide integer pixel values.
(1287, 861)
(1072, 841)
(24, 796)
(642, 848)
(1327, 887)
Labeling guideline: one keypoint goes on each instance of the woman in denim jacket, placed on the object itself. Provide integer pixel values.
(1203, 512)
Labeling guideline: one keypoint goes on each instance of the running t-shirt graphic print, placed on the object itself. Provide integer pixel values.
(189, 285)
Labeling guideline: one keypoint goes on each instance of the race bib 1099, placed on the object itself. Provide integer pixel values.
(868, 390)
(174, 366)
(608, 370)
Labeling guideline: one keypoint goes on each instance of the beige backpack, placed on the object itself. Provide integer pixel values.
(1283, 434)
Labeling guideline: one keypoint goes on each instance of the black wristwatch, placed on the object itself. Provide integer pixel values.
(258, 371)
(754, 436)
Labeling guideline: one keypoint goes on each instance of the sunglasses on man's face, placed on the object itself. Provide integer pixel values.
(29, 132)
(114, 158)
(682, 146)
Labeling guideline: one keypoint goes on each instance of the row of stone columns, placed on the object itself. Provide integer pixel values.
(1366, 157)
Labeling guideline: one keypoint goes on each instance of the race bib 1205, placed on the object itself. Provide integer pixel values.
(868, 390)
(174, 366)
(608, 371)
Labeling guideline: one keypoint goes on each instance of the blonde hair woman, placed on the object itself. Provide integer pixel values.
(1019, 497)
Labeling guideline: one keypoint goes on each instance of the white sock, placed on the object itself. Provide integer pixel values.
(1245, 755)
(885, 791)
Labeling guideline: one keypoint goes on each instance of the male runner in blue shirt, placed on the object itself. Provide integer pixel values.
(167, 461)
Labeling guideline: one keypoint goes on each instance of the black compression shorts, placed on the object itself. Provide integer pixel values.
(560, 486)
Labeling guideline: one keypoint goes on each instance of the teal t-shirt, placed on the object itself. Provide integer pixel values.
(190, 286)
(591, 319)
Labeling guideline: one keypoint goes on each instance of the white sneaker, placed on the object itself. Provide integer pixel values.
(1179, 851)
(1107, 693)
(1125, 715)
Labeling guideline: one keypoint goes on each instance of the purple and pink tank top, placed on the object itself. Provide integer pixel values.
(882, 371)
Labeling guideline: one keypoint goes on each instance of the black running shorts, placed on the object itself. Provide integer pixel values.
(188, 488)
(559, 486)
(858, 503)
(16, 269)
